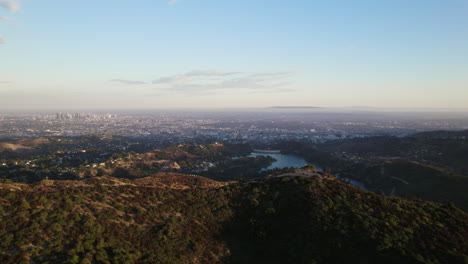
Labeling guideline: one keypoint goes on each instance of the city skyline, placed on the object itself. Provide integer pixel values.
(240, 54)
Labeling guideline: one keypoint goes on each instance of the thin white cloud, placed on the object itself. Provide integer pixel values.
(171, 2)
(11, 5)
(210, 73)
(192, 76)
(268, 75)
(129, 82)
(210, 81)
(206, 81)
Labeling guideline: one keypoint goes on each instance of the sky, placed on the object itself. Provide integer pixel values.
(144, 54)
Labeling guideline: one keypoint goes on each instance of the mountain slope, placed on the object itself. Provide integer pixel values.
(174, 218)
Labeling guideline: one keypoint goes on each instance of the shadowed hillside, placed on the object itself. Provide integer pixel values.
(429, 165)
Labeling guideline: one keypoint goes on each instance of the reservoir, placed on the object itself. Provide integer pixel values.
(284, 161)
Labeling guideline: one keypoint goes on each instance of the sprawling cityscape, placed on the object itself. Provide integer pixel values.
(259, 126)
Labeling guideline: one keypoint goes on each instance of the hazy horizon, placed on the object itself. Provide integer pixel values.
(274, 109)
(237, 54)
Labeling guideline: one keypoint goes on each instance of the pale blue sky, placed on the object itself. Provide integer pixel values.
(233, 53)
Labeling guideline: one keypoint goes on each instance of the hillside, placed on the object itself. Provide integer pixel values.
(429, 165)
(176, 218)
(413, 179)
(11, 146)
(22, 144)
(443, 134)
(448, 149)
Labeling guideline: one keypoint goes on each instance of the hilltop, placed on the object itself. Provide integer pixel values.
(300, 216)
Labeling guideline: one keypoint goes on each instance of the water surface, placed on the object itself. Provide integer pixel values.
(284, 161)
